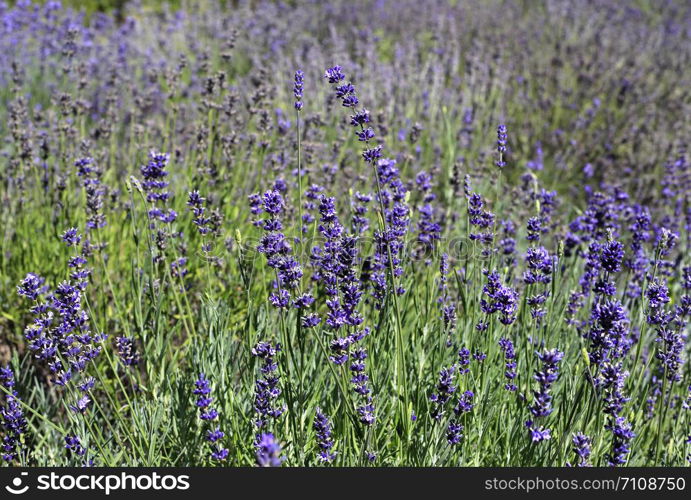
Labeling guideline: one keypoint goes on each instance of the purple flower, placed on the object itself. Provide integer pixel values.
(669, 353)
(622, 435)
(371, 155)
(609, 332)
(454, 433)
(154, 173)
(297, 89)
(334, 74)
(336, 264)
(539, 264)
(534, 228)
(275, 247)
(582, 448)
(220, 454)
(203, 392)
(537, 435)
(612, 256)
(13, 421)
(465, 403)
(310, 320)
(366, 413)
(500, 299)
(87, 384)
(127, 351)
(611, 380)
(73, 444)
(429, 230)
(82, 405)
(95, 192)
(71, 237)
(445, 390)
(510, 374)
(390, 191)
(357, 366)
(359, 382)
(479, 217)
(266, 389)
(322, 427)
(202, 389)
(59, 335)
(214, 435)
(501, 145)
(360, 222)
(463, 361)
(365, 135)
(657, 295)
(268, 451)
(201, 220)
(545, 376)
(31, 286)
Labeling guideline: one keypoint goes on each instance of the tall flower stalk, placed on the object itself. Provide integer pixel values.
(394, 222)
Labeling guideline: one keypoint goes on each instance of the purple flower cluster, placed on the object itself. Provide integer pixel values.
(510, 365)
(669, 326)
(481, 219)
(322, 427)
(609, 334)
(465, 403)
(202, 389)
(657, 295)
(429, 223)
(539, 264)
(454, 432)
(507, 244)
(277, 251)
(95, 192)
(13, 421)
(611, 382)
(610, 341)
(266, 389)
(335, 264)
(534, 228)
(358, 206)
(602, 217)
(31, 287)
(612, 256)
(268, 451)
(127, 351)
(582, 447)
(389, 244)
(622, 434)
(391, 192)
(359, 382)
(542, 399)
(203, 392)
(74, 444)
(60, 335)
(297, 89)
(445, 390)
(196, 203)
(154, 174)
(499, 299)
(501, 146)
